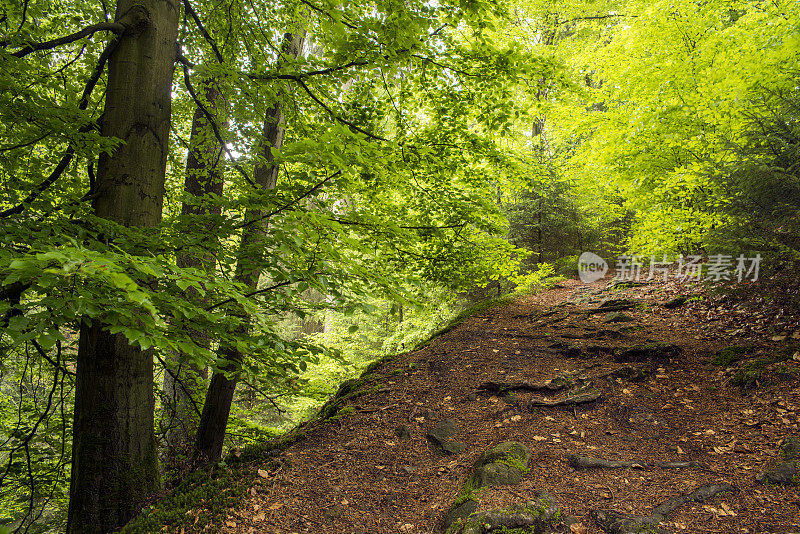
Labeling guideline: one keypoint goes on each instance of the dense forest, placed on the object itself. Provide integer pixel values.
(213, 213)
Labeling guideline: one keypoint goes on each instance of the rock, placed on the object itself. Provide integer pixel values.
(440, 435)
(616, 523)
(503, 451)
(677, 302)
(498, 474)
(454, 447)
(333, 512)
(653, 351)
(616, 305)
(785, 471)
(533, 517)
(617, 317)
(460, 512)
(502, 465)
(402, 432)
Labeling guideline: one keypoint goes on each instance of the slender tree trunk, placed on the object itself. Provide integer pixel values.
(184, 381)
(217, 406)
(114, 463)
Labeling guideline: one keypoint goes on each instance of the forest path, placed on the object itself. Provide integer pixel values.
(371, 470)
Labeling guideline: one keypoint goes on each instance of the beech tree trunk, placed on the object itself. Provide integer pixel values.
(184, 381)
(114, 462)
(217, 406)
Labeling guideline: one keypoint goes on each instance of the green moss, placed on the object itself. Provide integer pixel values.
(516, 463)
(728, 355)
(396, 372)
(347, 410)
(470, 491)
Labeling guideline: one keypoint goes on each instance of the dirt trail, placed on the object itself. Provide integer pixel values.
(355, 474)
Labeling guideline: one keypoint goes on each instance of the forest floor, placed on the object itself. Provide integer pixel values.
(360, 472)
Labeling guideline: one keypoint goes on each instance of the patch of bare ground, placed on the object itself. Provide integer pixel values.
(360, 473)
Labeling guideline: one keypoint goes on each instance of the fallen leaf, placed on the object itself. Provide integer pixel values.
(263, 474)
(577, 528)
(259, 517)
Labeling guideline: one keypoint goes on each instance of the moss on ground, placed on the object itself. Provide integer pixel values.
(728, 355)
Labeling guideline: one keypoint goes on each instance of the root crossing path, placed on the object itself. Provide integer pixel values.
(597, 372)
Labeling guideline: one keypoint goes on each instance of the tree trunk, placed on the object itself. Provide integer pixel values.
(114, 462)
(184, 381)
(216, 409)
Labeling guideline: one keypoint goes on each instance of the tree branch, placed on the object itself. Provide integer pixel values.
(91, 83)
(293, 201)
(114, 27)
(252, 294)
(213, 123)
(210, 40)
(335, 116)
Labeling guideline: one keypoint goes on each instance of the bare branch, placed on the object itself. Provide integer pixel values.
(252, 293)
(210, 40)
(292, 202)
(214, 127)
(114, 27)
(337, 117)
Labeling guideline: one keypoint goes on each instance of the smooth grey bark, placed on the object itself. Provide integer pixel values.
(184, 381)
(217, 406)
(114, 462)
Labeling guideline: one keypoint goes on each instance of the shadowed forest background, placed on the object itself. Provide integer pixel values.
(214, 213)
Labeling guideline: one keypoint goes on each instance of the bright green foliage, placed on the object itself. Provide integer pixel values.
(427, 144)
(683, 87)
(386, 190)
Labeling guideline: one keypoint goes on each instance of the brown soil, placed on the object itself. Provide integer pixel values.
(353, 474)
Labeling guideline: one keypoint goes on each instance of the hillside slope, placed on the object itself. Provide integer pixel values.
(374, 466)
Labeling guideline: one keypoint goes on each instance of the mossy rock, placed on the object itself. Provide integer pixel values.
(677, 302)
(533, 517)
(790, 450)
(460, 512)
(616, 523)
(785, 471)
(505, 451)
(503, 465)
(726, 356)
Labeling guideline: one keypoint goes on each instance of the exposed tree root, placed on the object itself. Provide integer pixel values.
(587, 462)
(582, 397)
(562, 381)
(618, 523)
